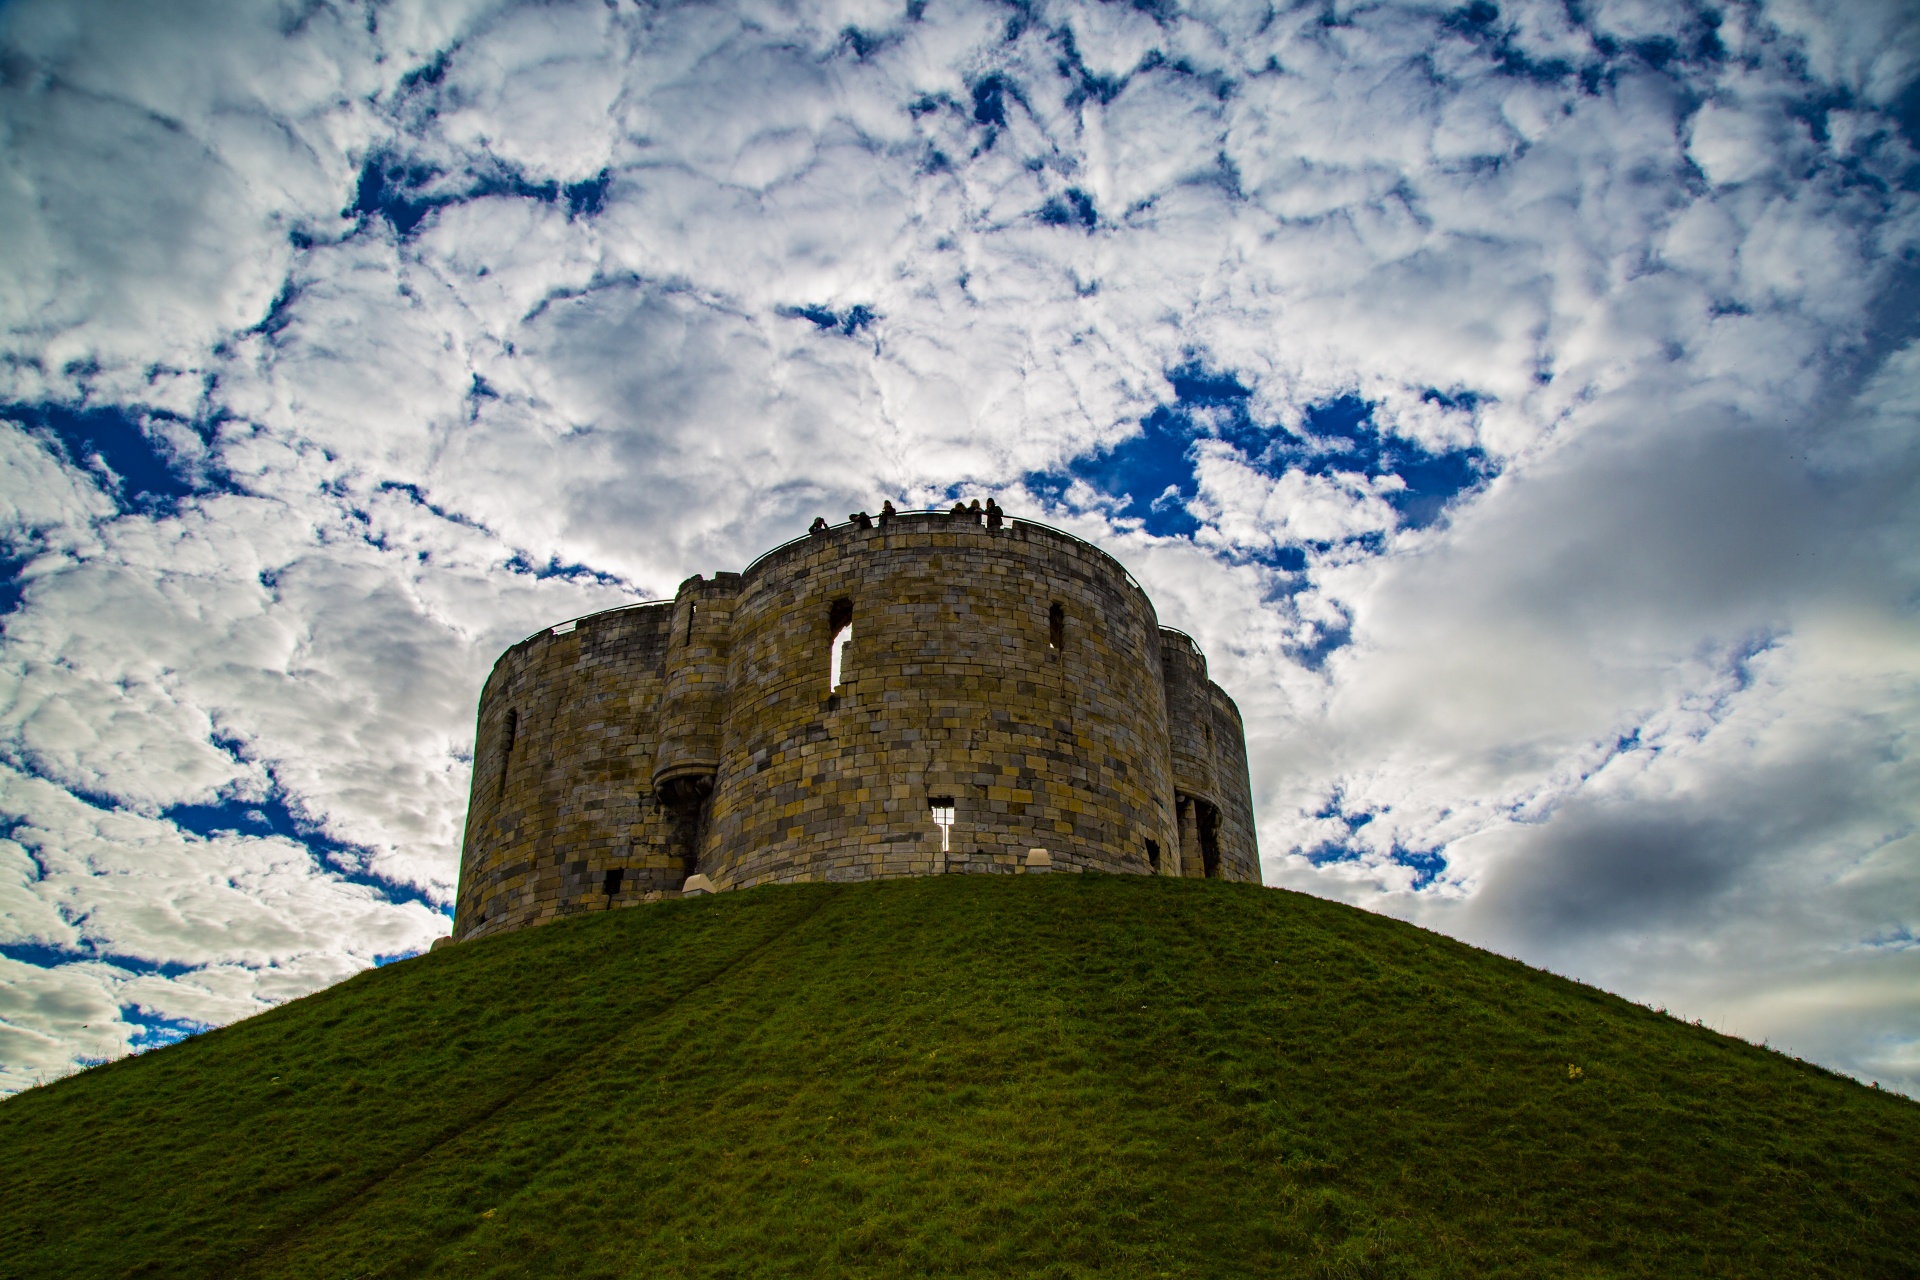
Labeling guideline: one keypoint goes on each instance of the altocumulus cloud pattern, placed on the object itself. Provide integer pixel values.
(1517, 401)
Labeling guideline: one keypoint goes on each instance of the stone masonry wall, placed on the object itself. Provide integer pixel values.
(568, 799)
(1213, 795)
(952, 690)
(1017, 673)
(1239, 851)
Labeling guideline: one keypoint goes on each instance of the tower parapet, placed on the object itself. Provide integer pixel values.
(929, 695)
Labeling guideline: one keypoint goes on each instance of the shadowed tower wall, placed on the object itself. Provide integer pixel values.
(1017, 675)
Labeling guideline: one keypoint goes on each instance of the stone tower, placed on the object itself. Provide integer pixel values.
(925, 696)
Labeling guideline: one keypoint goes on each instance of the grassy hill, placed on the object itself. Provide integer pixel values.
(1043, 1076)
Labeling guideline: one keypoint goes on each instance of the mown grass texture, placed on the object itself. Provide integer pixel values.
(1037, 1076)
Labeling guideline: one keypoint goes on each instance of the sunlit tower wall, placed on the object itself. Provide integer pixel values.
(999, 691)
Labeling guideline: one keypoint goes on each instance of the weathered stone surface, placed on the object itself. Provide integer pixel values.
(1017, 672)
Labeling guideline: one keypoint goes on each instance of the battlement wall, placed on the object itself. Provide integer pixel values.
(1015, 677)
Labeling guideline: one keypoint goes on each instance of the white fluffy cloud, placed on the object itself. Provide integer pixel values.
(425, 325)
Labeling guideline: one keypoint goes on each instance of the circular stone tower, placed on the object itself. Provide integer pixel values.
(922, 697)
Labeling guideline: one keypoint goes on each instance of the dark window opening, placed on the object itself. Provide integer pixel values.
(508, 733)
(1057, 627)
(1153, 853)
(1207, 819)
(611, 883)
(691, 610)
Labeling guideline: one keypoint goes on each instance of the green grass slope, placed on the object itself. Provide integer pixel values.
(1043, 1076)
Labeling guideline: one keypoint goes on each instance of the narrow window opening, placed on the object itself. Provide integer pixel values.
(1153, 854)
(611, 883)
(691, 610)
(508, 733)
(840, 627)
(1057, 627)
(943, 817)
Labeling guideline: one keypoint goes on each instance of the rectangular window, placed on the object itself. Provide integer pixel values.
(1057, 627)
(612, 881)
(1153, 854)
(943, 817)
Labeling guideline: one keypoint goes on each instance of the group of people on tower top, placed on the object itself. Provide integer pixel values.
(994, 515)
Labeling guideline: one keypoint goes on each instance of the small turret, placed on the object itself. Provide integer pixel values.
(693, 704)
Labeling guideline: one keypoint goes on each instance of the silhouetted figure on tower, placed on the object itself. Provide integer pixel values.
(994, 514)
(887, 514)
(818, 527)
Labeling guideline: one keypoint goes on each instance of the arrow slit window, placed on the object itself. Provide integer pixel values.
(840, 627)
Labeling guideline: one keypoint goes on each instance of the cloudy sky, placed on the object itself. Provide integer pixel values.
(1519, 402)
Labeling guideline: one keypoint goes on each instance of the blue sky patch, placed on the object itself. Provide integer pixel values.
(273, 815)
(113, 445)
(406, 192)
(1426, 864)
(1313, 656)
(153, 1031)
(1340, 435)
(1072, 208)
(1086, 84)
(553, 568)
(1153, 472)
(588, 196)
(42, 956)
(12, 584)
(846, 323)
(390, 188)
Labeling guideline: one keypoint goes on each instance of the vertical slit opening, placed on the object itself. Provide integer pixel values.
(840, 628)
(691, 610)
(508, 733)
(942, 807)
(1153, 854)
(1057, 627)
(1207, 819)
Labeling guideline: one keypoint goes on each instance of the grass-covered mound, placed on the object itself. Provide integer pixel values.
(1043, 1076)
